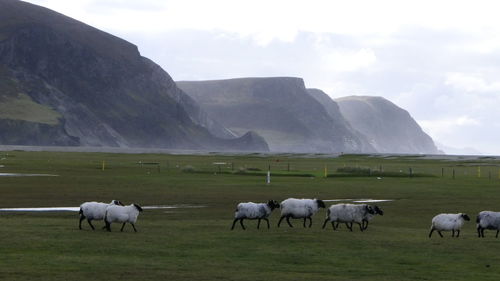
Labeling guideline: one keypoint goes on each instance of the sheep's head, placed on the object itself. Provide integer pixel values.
(273, 204)
(137, 207)
(320, 203)
(465, 217)
(378, 210)
(117, 202)
(369, 209)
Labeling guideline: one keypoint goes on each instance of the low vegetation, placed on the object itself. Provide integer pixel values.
(197, 243)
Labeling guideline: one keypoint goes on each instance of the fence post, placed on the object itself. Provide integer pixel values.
(442, 172)
(453, 173)
(411, 172)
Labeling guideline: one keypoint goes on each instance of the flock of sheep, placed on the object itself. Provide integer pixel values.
(305, 209)
(353, 213)
(293, 208)
(115, 211)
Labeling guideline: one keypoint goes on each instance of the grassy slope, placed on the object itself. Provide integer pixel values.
(187, 244)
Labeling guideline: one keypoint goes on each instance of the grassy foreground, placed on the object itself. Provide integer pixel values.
(196, 243)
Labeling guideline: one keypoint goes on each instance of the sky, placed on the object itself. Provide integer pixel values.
(439, 60)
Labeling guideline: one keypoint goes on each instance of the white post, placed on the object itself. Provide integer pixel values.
(268, 180)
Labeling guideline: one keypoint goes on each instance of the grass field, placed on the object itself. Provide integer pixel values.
(197, 243)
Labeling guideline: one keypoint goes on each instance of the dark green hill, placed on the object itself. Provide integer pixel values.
(280, 109)
(67, 83)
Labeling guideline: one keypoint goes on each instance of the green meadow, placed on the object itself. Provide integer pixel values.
(194, 240)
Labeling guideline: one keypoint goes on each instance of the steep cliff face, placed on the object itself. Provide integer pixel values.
(389, 128)
(340, 124)
(102, 90)
(280, 109)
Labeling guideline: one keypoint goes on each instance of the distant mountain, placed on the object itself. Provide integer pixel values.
(389, 128)
(63, 82)
(458, 151)
(280, 109)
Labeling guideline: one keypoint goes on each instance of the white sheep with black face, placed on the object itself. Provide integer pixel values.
(348, 214)
(448, 222)
(94, 211)
(300, 209)
(122, 214)
(254, 211)
(487, 220)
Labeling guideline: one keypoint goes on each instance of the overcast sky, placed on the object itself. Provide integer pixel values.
(440, 60)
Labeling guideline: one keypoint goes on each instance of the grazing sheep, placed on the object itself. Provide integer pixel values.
(348, 214)
(122, 214)
(299, 208)
(94, 211)
(376, 211)
(252, 211)
(446, 222)
(488, 220)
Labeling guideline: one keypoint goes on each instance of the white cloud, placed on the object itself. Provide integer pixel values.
(345, 60)
(471, 82)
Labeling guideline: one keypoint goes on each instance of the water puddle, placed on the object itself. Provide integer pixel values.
(76, 209)
(26, 175)
(359, 200)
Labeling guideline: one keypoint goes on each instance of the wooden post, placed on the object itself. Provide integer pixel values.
(288, 167)
(442, 172)
(268, 178)
(411, 172)
(453, 173)
(478, 172)
(326, 172)
(103, 164)
(232, 166)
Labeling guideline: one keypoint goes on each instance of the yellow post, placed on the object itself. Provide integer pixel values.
(326, 172)
(103, 164)
(478, 172)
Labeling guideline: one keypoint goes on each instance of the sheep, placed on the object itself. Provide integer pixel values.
(447, 222)
(488, 220)
(122, 214)
(252, 211)
(299, 208)
(376, 211)
(348, 214)
(94, 211)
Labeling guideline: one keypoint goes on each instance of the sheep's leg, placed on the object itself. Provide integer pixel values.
(478, 231)
(305, 222)
(333, 225)
(497, 233)
(258, 224)
(440, 234)
(234, 222)
(241, 222)
(90, 224)
(82, 217)
(336, 225)
(108, 225)
(349, 226)
(123, 225)
(310, 222)
(267, 220)
(288, 221)
(135, 230)
(365, 224)
(458, 232)
(324, 224)
(430, 233)
(279, 222)
(360, 227)
(453, 233)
